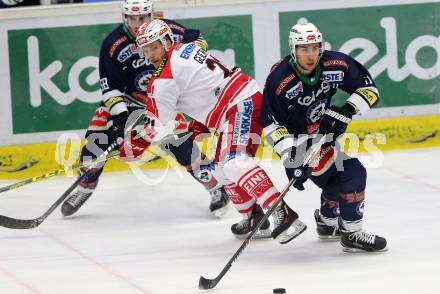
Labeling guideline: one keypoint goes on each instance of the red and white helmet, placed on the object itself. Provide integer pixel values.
(301, 34)
(155, 30)
(137, 7)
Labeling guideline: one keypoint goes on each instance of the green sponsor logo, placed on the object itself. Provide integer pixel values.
(54, 77)
(399, 45)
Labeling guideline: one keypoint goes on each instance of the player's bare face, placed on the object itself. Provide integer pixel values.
(307, 57)
(135, 21)
(155, 52)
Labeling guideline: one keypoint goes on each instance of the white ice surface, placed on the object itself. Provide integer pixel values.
(134, 238)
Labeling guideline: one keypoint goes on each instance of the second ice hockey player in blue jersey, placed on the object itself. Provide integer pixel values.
(297, 104)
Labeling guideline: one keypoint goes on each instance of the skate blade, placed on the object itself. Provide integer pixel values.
(220, 212)
(358, 250)
(260, 234)
(296, 229)
(329, 238)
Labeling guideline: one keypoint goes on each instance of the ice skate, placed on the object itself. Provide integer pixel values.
(326, 232)
(219, 202)
(287, 226)
(242, 229)
(360, 241)
(74, 202)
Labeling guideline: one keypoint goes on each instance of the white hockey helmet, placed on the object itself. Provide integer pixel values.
(304, 34)
(137, 7)
(155, 30)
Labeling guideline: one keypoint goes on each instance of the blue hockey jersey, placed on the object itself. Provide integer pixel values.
(124, 70)
(298, 103)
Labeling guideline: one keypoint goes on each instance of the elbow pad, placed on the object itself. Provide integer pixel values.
(363, 99)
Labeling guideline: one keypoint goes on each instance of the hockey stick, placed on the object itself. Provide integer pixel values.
(204, 283)
(14, 223)
(80, 165)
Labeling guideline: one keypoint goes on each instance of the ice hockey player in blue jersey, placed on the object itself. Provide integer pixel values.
(296, 105)
(124, 74)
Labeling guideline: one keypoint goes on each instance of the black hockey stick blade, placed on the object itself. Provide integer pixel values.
(13, 223)
(205, 284)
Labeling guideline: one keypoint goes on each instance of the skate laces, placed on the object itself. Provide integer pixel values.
(216, 195)
(362, 236)
(250, 220)
(243, 224)
(279, 214)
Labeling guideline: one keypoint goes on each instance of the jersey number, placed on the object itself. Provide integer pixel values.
(212, 62)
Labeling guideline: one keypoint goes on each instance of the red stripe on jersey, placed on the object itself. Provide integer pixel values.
(284, 83)
(238, 91)
(151, 107)
(176, 27)
(228, 84)
(150, 87)
(166, 71)
(116, 44)
(228, 94)
(150, 103)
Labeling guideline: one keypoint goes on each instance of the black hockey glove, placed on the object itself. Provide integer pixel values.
(295, 169)
(300, 174)
(117, 129)
(336, 120)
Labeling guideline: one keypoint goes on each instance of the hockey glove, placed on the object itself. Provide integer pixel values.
(133, 147)
(199, 131)
(295, 169)
(335, 121)
(300, 174)
(118, 124)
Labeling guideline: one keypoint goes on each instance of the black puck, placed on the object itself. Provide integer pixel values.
(279, 291)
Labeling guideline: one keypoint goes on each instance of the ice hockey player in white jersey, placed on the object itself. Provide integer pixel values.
(190, 80)
(124, 74)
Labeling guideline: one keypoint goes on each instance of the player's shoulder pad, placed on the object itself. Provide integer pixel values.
(281, 76)
(175, 26)
(115, 42)
(335, 60)
(186, 50)
(278, 68)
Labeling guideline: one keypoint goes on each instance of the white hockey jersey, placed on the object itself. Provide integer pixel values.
(192, 81)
